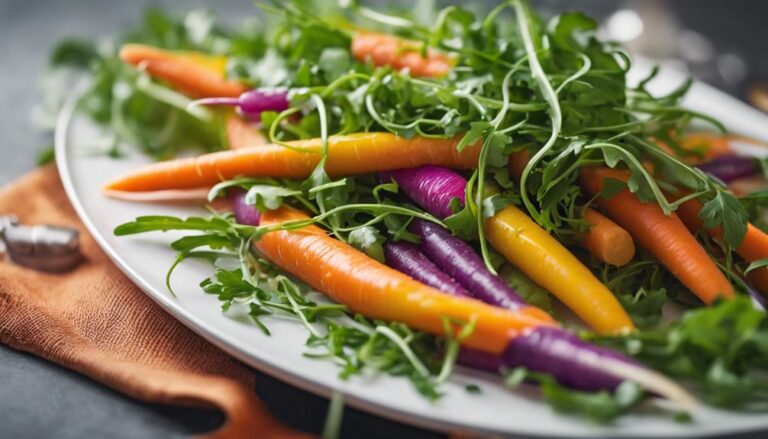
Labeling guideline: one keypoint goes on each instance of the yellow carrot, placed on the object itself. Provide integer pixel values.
(540, 256)
(353, 154)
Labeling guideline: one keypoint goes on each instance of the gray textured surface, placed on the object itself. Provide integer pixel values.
(39, 399)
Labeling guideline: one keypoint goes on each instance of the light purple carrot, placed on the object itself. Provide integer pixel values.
(253, 102)
(245, 213)
(431, 187)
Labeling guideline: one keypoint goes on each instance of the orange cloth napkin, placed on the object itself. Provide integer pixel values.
(95, 321)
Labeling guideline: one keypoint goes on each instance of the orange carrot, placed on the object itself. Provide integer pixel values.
(241, 134)
(350, 277)
(664, 236)
(605, 240)
(353, 154)
(517, 162)
(192, 73)
(753, 248)
(388, 50)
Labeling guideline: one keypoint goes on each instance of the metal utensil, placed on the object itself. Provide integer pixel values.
(41, 247)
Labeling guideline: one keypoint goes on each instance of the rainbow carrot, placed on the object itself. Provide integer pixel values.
(350, 277)
(606, 240)
(352, 154)
(519, 239)
(664, 236)
(389, 50)
(525, 337)
(192, 73)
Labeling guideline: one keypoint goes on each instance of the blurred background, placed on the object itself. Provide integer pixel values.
(720, 42)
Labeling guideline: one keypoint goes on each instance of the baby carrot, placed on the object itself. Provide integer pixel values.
(605, 240)
(353, 154)
(516, 236)
(193, 73)
(350, 277)
(389, 50)
(241, 134)
(664, 236)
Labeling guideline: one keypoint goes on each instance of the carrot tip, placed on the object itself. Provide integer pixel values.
(199, 195)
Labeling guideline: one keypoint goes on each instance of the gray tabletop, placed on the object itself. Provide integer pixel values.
(40, 399)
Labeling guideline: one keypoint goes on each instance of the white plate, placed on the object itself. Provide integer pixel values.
(497, 410)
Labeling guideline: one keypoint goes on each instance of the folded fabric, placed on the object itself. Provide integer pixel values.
(95, 321)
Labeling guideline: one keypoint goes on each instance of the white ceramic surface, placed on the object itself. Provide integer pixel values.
(145, 258)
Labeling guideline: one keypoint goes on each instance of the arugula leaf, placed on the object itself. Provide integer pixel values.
(73, 53)
(369, 240)
(724, 209)
(721, 349)
(153, 223)
(462, 223)
(533, 294)
(268, 197)
(760, 263)
(600, 407)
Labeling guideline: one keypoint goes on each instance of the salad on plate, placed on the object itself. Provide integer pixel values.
(429, 190)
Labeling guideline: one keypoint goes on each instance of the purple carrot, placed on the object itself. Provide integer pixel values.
(253, 102)
(245, 213)
(565, 356)
(431, 187)
(730, 167)
(460, 261)
(549, 350)
(407, 258)
(573, 362)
